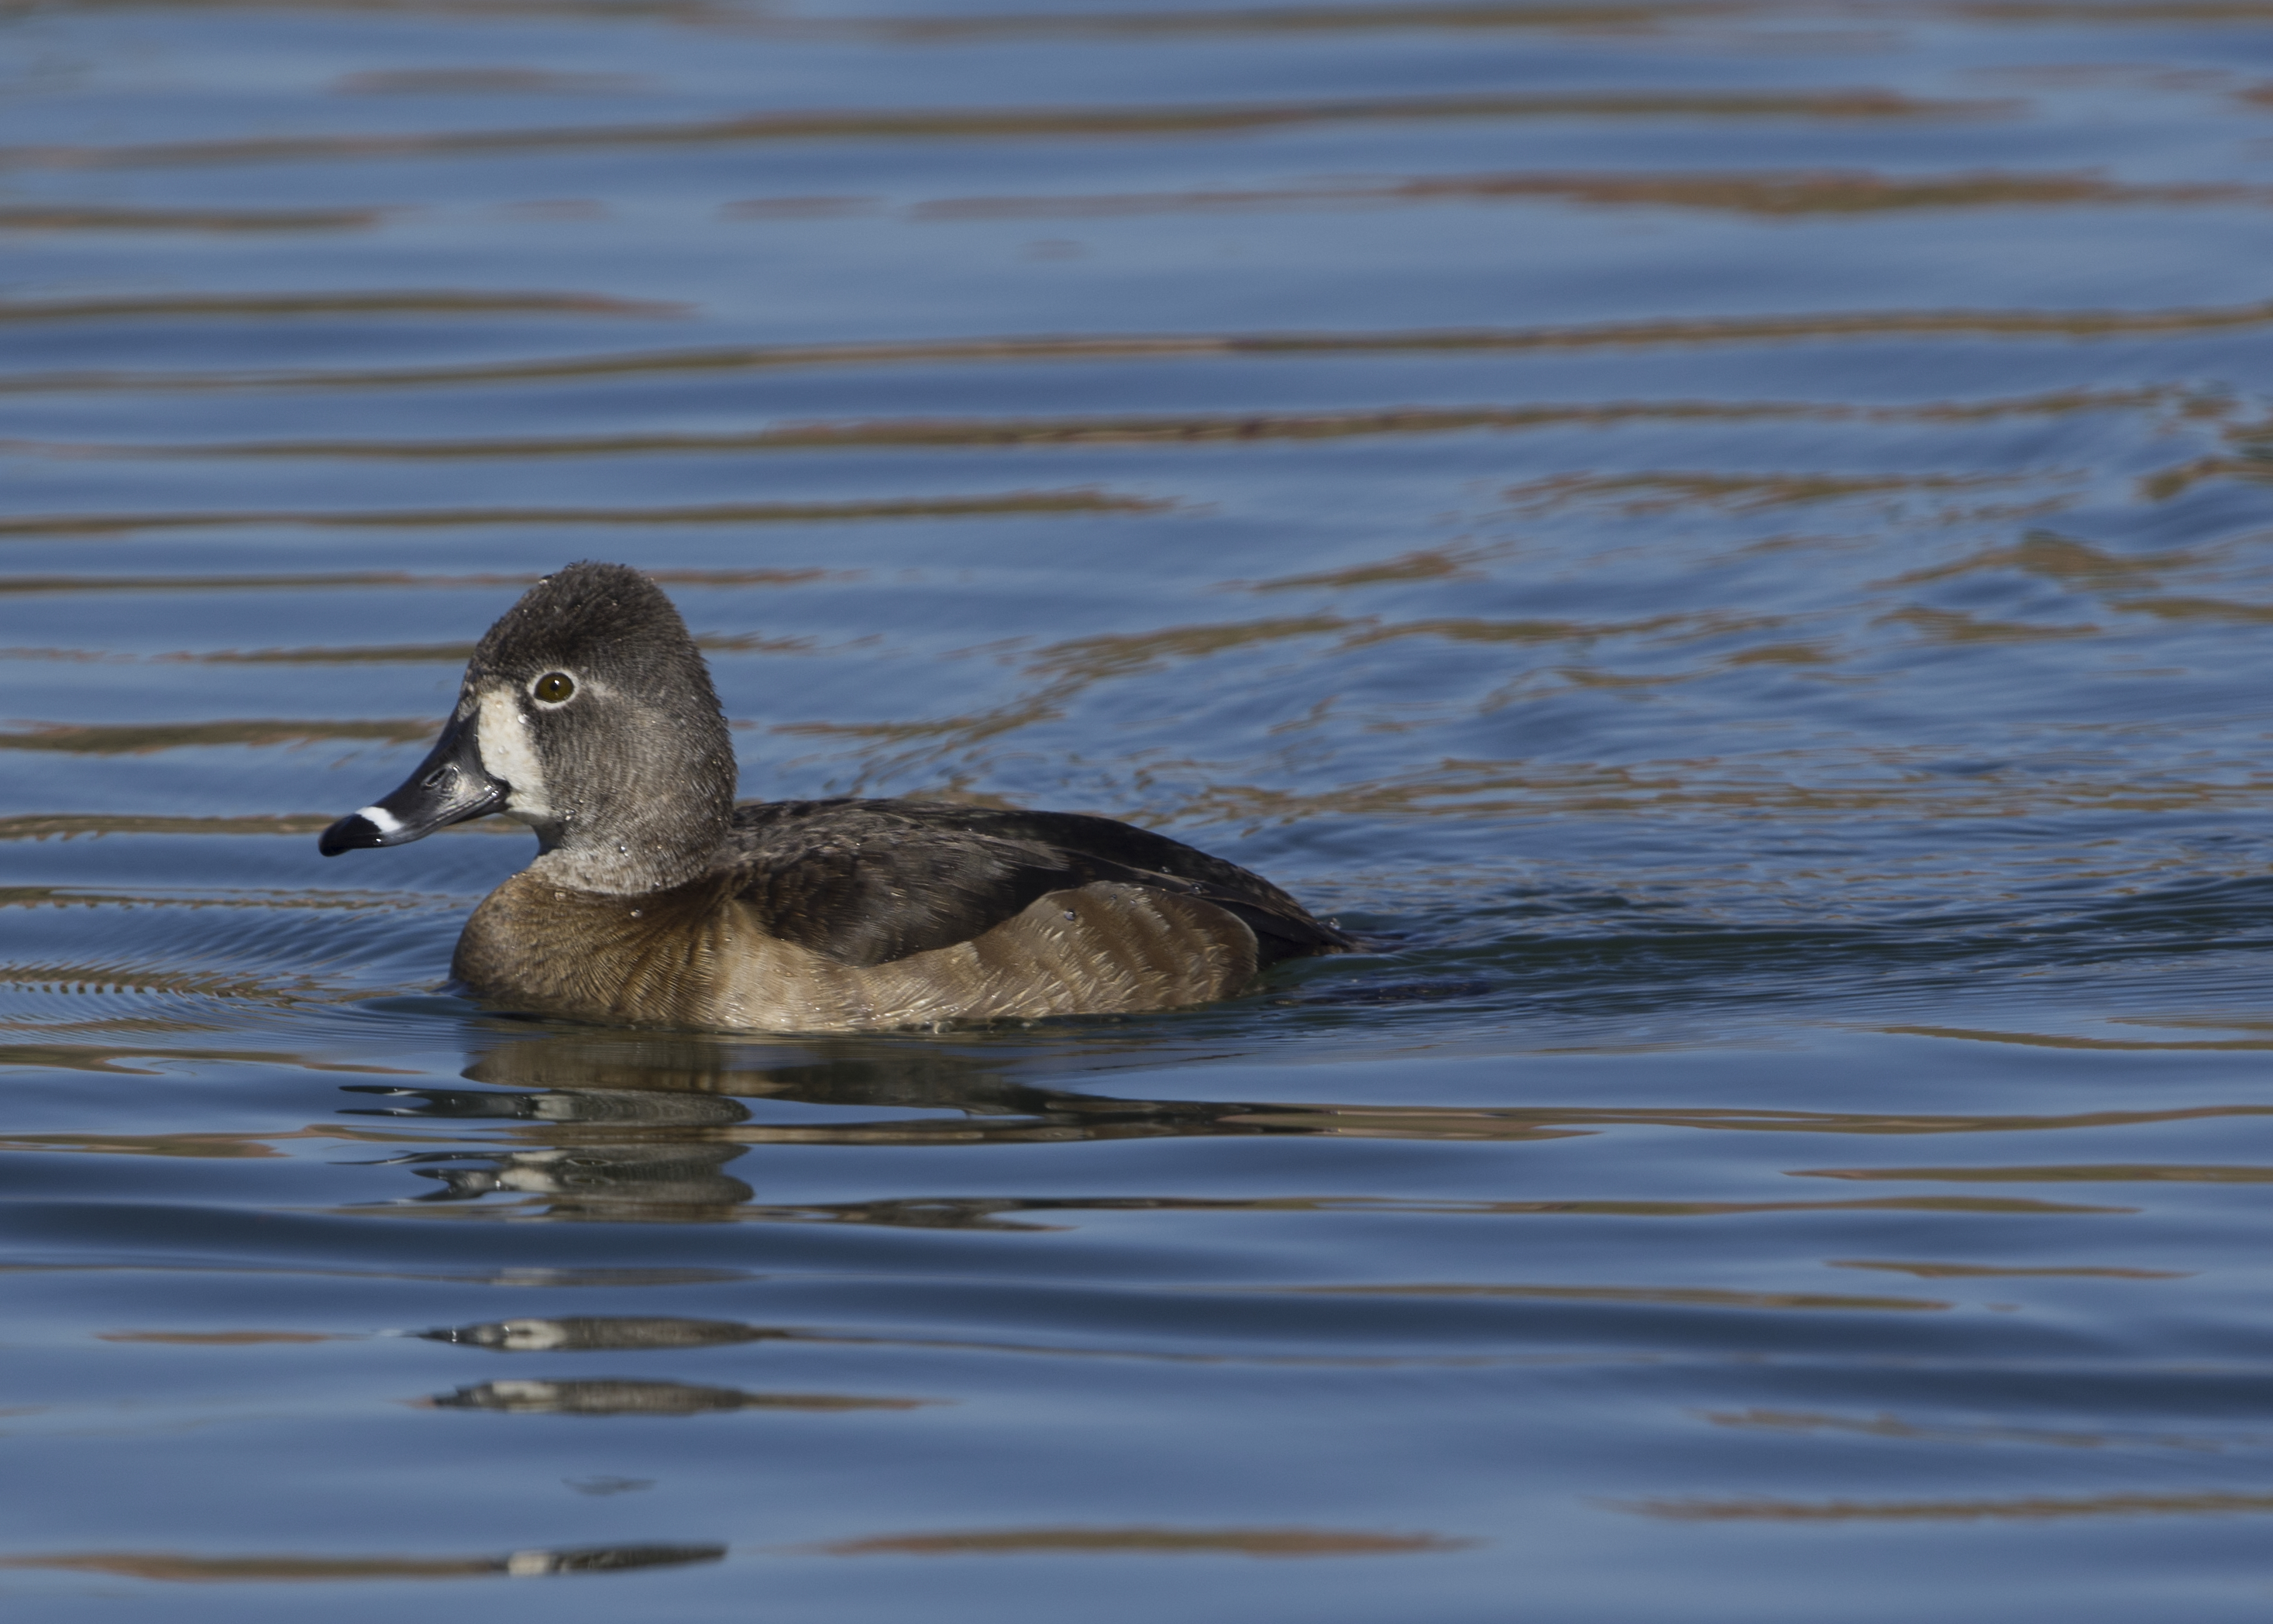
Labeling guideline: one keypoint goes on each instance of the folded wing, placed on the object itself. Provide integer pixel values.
(868, 881)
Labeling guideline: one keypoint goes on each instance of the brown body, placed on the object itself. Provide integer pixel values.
(587, 713)
(699, 956)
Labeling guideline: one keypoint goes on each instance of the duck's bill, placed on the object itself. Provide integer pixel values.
(449, 786)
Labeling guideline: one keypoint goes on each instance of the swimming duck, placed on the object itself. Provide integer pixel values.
(586, 712)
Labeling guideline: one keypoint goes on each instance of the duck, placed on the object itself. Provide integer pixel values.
(655, 899)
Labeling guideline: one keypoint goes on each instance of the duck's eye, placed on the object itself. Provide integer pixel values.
(554, 688)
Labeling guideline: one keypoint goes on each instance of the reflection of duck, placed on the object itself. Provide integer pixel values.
(595, 1333)
(626, 1396)
(587, 713)
(616, 1126)
(605, 1081)
(617, 1183)
(611, 1106)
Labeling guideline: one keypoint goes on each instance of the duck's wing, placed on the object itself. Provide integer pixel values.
(868, 881)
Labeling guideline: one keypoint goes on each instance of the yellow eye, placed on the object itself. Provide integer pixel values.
(554, 688)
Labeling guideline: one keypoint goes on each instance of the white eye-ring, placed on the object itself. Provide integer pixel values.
(553, 689)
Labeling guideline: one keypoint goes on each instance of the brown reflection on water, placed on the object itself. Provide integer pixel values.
(478, 81)
(1526, 789)
(389, 303)
(220, 1339)
(2054, 558)
(2200, 609)
(1427, 564)
(1891, 1426)
(1523, 1122)
(2150, 12)
(1144, 1541)
(2112, 1173)
(511, 1277)
(435, 653)
(1659, 492)
(1771, 194)
(706, 13)
(1626, 18)
(86, 217)
(99, 978)
(1955, 625)
(1471, 630)
(994, 1212)
(357, 580)
(1623, 18)
(2170, 482)
(392, 654)
(1613, 18)
(222, 1147)
(2025, 1507)
(1001, 124)
(982, 432)
(67, 825)
(1983, 1271)
(181, 1568)
(1002, 506)
(141, 738)
(91, 1057)
(2058, 1039)
(1812, 327)
(1095, 659)
(955, 732)
(66, 897)
(1674, 1297)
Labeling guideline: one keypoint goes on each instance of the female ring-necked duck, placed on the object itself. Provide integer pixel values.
(588, 713)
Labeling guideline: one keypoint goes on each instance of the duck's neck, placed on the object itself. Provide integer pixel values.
(631, 864)
(649, 833)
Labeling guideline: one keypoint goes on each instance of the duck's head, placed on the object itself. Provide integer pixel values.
(587, 713)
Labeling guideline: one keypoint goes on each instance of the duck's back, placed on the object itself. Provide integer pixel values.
(869, 881)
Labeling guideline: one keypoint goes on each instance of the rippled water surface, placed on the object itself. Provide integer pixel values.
(1731, 541)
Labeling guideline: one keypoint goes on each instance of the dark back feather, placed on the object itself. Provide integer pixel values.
(868, 881)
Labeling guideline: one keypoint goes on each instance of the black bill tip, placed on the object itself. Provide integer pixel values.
(353, 833)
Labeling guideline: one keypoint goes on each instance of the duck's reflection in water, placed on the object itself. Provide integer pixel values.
(988, 1103)
(610, 1395)
(628, 1395)
(615, 1183)
(631, 1129)
(593, 1333)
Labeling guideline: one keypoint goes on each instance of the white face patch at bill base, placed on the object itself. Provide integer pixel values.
(380, 819)
(509, 754)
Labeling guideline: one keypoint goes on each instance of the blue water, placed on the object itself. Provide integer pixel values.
(1732, 542)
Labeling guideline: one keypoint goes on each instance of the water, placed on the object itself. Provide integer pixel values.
(1732, 541)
